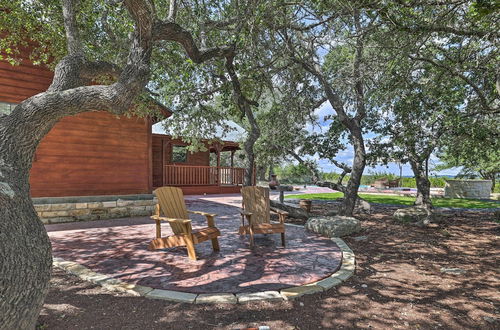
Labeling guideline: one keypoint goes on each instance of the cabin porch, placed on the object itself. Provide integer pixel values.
(196, 173)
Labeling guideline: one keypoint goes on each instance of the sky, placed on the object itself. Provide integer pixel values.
(344, 156)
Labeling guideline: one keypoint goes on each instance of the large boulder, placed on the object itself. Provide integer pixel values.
(333, 226)
(414, 215)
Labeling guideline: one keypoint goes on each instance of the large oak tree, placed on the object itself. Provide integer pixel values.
(136, 27)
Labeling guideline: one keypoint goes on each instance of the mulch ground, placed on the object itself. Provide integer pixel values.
(398, 284)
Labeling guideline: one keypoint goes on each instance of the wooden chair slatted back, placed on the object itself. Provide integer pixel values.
(256, 200)
(172, 205)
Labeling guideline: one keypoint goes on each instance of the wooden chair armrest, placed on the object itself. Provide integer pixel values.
(183, 221)
(210, 217)
(156, 211)
(203, 213)
(246, 214)
(282, 214)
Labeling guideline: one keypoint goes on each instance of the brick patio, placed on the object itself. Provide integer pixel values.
(118, 248)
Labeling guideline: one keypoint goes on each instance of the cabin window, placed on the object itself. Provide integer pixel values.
(6, 108)
(179, 154)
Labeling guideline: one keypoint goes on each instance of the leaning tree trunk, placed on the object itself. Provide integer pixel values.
(358, 166)
(423, 185)
(25, 250)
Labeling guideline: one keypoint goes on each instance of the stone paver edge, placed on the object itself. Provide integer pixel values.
(111, 284)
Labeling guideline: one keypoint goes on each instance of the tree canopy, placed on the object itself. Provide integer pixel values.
(410, 77)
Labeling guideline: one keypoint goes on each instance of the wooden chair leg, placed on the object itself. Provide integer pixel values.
(283, 239)
(215, 244)
(190, 248)
(158, 228)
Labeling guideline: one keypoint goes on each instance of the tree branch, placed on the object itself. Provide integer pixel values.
(454, 72)
(242, 101)
(173, 32)
(314, 171)
(172, 11)
(93, 70)
(358, 82)
(74, 44)
(448, 29)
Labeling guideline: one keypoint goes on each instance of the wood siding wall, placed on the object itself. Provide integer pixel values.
(162, 155)
(93, 153)
(19, 82)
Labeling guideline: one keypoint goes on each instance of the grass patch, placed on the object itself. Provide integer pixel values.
(405, 200)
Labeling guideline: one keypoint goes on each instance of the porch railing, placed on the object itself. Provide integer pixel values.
(185, 175)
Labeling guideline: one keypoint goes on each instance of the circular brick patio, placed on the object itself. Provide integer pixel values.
(117, 248)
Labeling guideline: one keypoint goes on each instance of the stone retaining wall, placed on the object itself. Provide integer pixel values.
(69, 212)
(467, 189)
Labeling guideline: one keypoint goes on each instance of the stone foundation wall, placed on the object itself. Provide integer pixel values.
(69, 212)
(467, 189)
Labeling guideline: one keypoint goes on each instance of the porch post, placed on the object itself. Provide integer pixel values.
(217, 150)
(232, 167)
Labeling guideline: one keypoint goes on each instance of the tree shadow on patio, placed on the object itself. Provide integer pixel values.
(119, 250)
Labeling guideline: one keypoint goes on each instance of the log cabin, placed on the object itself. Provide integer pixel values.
(97, 153)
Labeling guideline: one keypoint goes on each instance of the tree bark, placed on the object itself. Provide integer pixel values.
(248, 146)
(351, 123)
(25, 253)
(25, 250)
(358, 166)
(245, 106)
(261, 170)
(423, 184)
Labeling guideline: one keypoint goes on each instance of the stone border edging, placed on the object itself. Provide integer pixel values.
(346, 271)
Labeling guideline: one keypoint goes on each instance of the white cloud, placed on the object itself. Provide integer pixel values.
(324, 110)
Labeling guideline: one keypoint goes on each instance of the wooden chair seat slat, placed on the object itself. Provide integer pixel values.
(172, 208)
(263, 228)
(256, 209)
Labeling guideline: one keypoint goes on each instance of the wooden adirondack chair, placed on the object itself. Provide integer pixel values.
(171, 208)
(256, 209)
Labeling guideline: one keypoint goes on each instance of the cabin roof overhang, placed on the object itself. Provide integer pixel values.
(212, 146)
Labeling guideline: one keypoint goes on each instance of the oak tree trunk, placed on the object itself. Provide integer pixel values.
(261, 170)
(25, 249)
(423, 184)
(25, 253)
(245, 106)
(250, 157)
(358, 166)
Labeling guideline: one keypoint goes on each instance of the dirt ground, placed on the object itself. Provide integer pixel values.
(398, 284)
